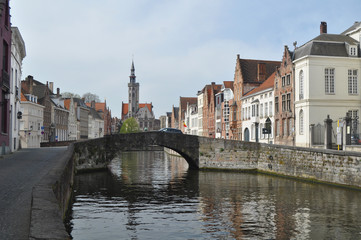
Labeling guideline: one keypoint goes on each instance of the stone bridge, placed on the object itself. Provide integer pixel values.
(97, 153)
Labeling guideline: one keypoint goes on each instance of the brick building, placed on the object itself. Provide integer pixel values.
(248, 75)
(284, 97)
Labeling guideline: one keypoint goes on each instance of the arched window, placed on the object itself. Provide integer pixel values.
(301, 84)
(301, 122)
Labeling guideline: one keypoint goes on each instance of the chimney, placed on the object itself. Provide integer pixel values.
(51, 86)
(30, 78)
(323, 28)
(261, 72)
(58, 92)
(92, 104)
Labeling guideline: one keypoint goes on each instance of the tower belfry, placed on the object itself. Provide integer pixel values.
(133, 93)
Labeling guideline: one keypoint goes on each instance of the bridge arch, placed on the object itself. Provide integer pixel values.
(186, 145)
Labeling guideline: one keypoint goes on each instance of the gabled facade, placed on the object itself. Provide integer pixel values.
(72, 119)
(209, 104)
(191, 119)
(82, 112)
(18, 53)
(200, 100)
(284, 101)
(95, 124)
(184, 103)
(61, 118)
(34, 87)
(175, 117)
(105, 113)
(256, 111)
(248, 75)
(327, 80)
(31, 122)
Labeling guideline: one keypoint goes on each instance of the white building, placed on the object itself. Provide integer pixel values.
(256, 109)
(227, 90)
(327, 81)
(18, 53)
(191, 119)
(72, 120)
(95, 124)
(200, 97)
(31, 122)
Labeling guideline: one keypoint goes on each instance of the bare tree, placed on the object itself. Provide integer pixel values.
(69, 95)
(89, 97)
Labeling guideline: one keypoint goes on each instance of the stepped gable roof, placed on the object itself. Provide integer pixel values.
(249, 69)
(326, 45)
(354, 27)
(268, 83)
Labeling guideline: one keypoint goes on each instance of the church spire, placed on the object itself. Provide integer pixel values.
(132, 73)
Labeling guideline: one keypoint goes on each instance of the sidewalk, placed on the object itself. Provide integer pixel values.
(19, 173)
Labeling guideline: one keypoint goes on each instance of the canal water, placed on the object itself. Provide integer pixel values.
(152, 195)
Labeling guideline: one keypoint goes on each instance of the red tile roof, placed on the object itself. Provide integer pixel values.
(141, 105)
(67, 103)
(228, 84)
(23, 98)
(266, 84)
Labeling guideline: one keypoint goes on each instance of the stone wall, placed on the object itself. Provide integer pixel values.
(328, 166)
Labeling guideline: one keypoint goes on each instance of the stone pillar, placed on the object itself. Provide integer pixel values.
(347, 130)
(328, 132)
(312, 134)
(256, 124)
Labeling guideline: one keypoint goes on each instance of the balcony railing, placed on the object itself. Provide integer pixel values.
(5, 77)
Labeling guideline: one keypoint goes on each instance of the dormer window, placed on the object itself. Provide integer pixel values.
(353, 51)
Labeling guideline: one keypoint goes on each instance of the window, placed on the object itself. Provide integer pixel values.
(285, 133)
(278, 128)
(352, 81)
(301, 85)
(276, 84)
(289, 102)
(283, 81)
(288, 79)
(261, 110)
(253, 110)
(353, 51)
(266, 109)
(5, 56)
(4, 119)
(329, 80)
(276, 105)
(301, 122)
(283, 103)
(290, 126)
(270, 108)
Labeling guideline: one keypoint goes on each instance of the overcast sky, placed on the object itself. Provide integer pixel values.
(178, 46)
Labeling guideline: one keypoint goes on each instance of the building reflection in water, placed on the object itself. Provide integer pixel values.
(146, 193)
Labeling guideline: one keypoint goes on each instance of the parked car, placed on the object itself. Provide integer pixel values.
(170, 130)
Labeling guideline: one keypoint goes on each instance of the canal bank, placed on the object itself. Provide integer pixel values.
(51, 196)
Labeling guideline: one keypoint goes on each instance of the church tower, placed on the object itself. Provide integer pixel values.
(133, 93)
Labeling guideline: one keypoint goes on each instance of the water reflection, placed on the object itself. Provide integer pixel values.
(150, 195)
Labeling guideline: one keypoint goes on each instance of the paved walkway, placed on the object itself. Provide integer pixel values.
(19, 173)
